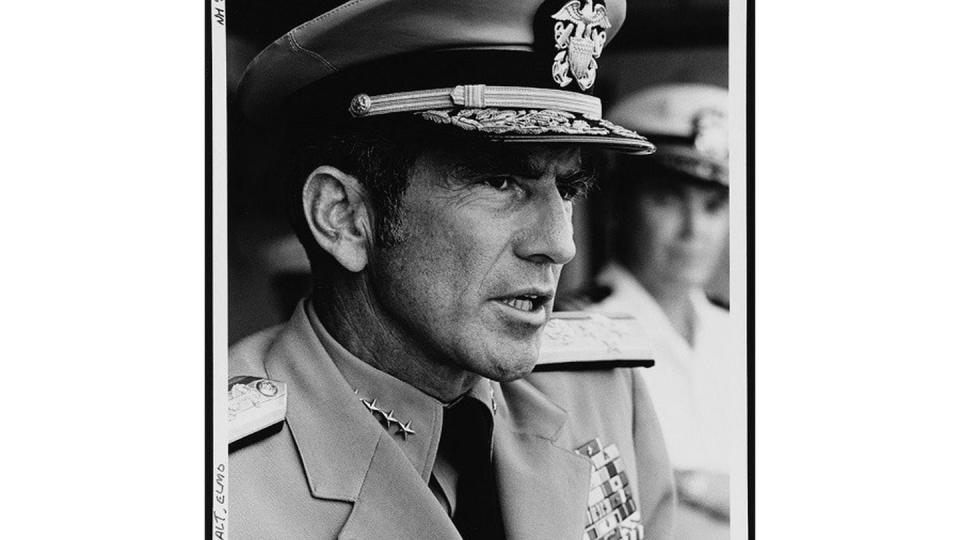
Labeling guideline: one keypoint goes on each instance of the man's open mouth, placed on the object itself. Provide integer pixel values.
(525, 302)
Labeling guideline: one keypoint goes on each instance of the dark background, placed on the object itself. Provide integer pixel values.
(662, 41)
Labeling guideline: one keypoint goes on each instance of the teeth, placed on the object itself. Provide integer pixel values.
(520, 303)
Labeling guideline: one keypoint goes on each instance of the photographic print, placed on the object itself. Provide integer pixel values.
(479, 269)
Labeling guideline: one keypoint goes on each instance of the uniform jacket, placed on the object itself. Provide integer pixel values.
(332, 471)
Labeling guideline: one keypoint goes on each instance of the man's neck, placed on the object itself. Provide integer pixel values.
(353, 318)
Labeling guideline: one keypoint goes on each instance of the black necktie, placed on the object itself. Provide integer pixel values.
(466, 438)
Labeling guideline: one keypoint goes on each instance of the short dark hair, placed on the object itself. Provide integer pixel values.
(379, 152)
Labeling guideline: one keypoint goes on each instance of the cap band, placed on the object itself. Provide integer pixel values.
(689, 161)
(476, 96)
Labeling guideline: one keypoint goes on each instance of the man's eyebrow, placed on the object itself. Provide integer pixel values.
(480, 164)
(514, 163)
(583, 172)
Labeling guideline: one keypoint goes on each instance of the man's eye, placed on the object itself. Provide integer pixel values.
(575, 188)
(500, 183)
(571, 192)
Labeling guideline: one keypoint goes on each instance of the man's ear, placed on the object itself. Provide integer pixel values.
(334, 205)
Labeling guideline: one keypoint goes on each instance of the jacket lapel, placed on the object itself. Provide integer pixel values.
(346, 454)
(543, 487)
(395, 502)
(347, 457)
(334, 434)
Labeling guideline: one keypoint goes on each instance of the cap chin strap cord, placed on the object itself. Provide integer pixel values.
(476, 96)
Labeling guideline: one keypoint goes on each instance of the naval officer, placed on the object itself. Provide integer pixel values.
(439, 147)
(671, 226)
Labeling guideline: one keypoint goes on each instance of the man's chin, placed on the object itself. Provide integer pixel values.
(512, 367)
(504, 357)
(514, 375)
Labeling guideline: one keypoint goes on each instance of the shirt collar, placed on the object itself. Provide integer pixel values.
(634, 298)
(397, 401)
(403, 402)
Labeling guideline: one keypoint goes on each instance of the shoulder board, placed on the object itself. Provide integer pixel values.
(580, 340)
(253, 405)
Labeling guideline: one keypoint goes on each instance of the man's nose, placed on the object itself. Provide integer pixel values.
(549, 236)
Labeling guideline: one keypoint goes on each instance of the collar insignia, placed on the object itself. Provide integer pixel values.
(386, 417)
(580, 33)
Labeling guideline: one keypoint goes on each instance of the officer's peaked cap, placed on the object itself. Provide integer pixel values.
(509, 70)
(687, 122)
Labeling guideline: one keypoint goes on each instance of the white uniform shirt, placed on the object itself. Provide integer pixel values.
(690, 386)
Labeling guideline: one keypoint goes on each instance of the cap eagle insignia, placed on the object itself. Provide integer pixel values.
(580, 35)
